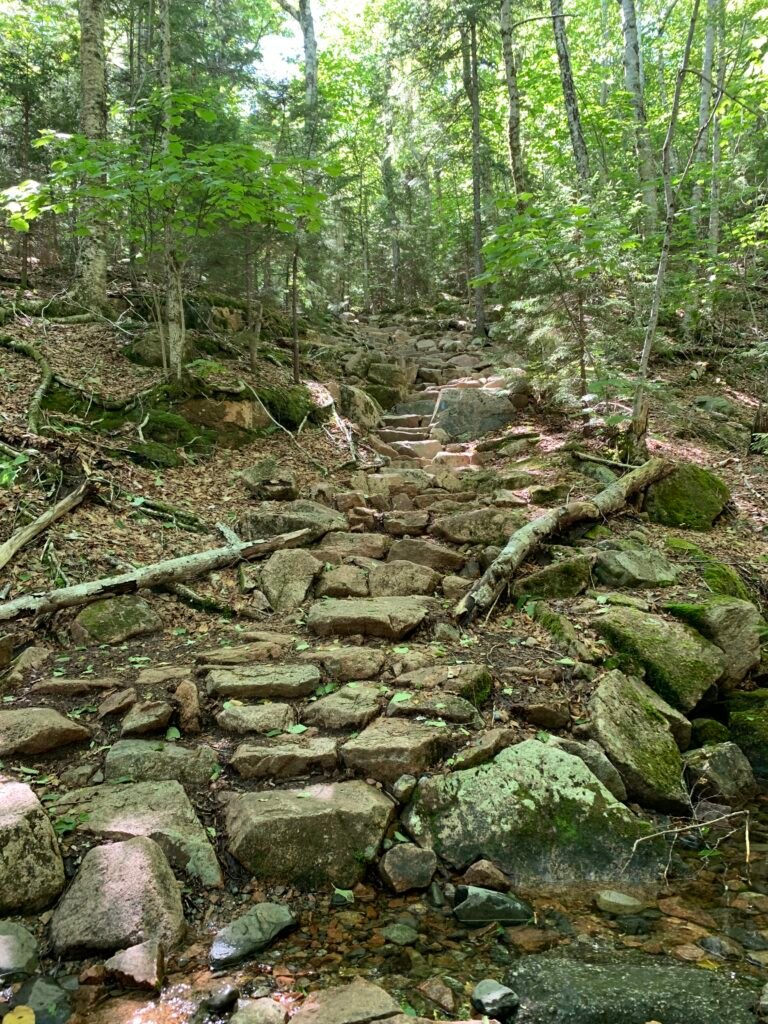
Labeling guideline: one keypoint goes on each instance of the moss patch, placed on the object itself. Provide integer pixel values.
(690, 496)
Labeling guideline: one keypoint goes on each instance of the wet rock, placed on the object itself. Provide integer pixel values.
(18, 952)
(625, 722)
(295, 755)
(254, 931)
(484, 874)
(478, 906)
(122, 895)
(268, 481)
(720, 771)
(258, 718)
(259, 1011)
(402, 579)
(406, 866)
(424, 552)
(690, 496)
(187, 700)
(148, 716)
(287, 576)
(351, 707)
(393, 618)
(336, 546)
(37, 730)
(436, 991)
(345, 664)
(343, 581)
(50, 1003)
(161, 810)
(567, 577)
(318, 836)
(115, 619)
(722, 947)
(262, 681)
(276, 517)
(31, 868)
(389, 748)
(735, 626)
(495, 1000)
(479, 526)
(593, 756)
(582, 833)
(139, 966)
(633, 566)
(359, 1002)
(156, 761)
(618, 903)
(400, 934)
(680, 664)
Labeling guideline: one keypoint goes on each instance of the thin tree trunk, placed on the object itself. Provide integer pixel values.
(295, 314)
(705, 101)
(605, 60)
(514, 142)
(91, 272)
(25, 146)
(390, 199)
(472, 89)
(569, 93)
(634, 84)
(714, 196)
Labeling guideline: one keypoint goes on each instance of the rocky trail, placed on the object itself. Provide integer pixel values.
(350, 806)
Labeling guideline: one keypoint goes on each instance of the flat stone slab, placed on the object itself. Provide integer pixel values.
(392, 747)
(263, 681)
(425, 552)
(351, 707)
(291, 756)
(359, 1002)
(160, 810)
(402, 579)
(345, 664)
(254, 931)
(313, 837)
(18, 952)
(257, 718)
(469, 680)
(275, 517)
(393, 618)
(37, 730)
(335, 546)
(157, 761)
(443, 706)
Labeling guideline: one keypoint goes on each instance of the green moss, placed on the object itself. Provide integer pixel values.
(479, 690)
(749, 730)
(706, 731)
(150, 453)
(207, 369)
(565, 578)
(690, 496)
(290, 406)
(719, 577)
(385, 396)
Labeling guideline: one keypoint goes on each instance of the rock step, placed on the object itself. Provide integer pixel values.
(418, 449)
(399, 422)
(390, 434)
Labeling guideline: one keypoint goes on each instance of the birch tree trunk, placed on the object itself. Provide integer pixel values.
(91, 273)
(714, 195)
(569, 93)
(634, 83)
(705, 101)
(390, 197)
(516, 164)
(472, 89)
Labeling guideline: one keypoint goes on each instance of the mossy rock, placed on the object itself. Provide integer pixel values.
(150, 453)
(719, 577)
(386, 397)
(690, 496)
(706, 731)
(566, 578)
(749, 730)
(115, 619)
(290, 406)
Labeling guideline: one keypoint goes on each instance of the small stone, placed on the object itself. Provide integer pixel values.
(494, 999)
(549, 715)
(148, 716)
(400, 934)
(437, 992)
(31, 658)
(250, 933)
(188, 702)
(18, 952)
(477, 906)
(618, 903)
(484, 874)
(117, 703)
(402, 789)
(257, 718)
(406, 866)
(49, 1001)
(140, 966)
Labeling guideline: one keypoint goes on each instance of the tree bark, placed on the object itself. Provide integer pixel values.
(156, 575)
(27, 533)
(514, 141)
(714, 195)
(569, 93)
(705, 101)
(634, 84)
(472, 89)
(91, 274)
(483, 594)
(390, 197)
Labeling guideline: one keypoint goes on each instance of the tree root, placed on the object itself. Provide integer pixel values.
(35, 405)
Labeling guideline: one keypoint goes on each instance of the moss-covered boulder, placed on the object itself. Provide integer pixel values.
(386, 397)
(748, 726)
(115, 619)
(630, 565)
(679, 663)
(625, 719)
(539, 814)
(719, 577)
(564, 578)
(690, 496)
(734, 625)
(356, 405)
(708, 730)
(275, 517)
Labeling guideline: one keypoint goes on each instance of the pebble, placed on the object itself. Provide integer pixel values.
(400, 934)
(618, 903)
(495, 1000)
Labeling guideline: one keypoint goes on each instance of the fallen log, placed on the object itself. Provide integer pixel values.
(27, 533)
(484, 594)
(157, 574)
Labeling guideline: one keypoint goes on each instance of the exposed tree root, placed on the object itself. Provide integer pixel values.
(35, 405)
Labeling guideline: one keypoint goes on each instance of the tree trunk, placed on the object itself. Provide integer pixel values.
(513, 99)
(569, 93)
(705, 100)
(472, 89)
(91, 273)
(390, 198)
(714, 195)
(295, 314)
(634, 84)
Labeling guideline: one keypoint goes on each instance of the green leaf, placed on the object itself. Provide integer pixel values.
(401, 697)
(297, 729)
(172, 734)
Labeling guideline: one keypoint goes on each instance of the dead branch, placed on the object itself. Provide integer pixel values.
(158, 574)
(27, 533)
(484, 593)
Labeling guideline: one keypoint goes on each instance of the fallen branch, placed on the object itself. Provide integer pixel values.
(27, 533)
(157, 574)
(33, 412)
(485, 592)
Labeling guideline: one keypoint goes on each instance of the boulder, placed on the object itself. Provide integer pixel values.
(263, 681)
(343, 581)
(139, 966)
(402, 579)
(344, 664)
(146, 716)
(467, 413)
(406, 866)
(315, 837)
(351, 707)
(633, 566)
(469, 680)
(255, 930)
(425, 552)
(258, 718)
(748, 725)
(156, 761)
(393, 618)
(358, 1002)
(31, 868)
(294, 755)
(443, 706)
(275, 517)
(115, 619)
(566, 577)
(287, 576)
(389, 748)
(122, 895)
(593, 756)
(735, 626)
(720, 772)
(679, 663)
(358, 406)
(624, 720)
(37, 730)
(268, 481)
(479, 526)
(336, 546)
(690, 496)
(160, 810)
(18, 952)
(539, 814)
